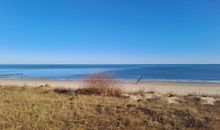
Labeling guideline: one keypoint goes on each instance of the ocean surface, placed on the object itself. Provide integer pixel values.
(167, 72)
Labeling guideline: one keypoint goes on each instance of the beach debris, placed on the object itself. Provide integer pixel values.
(125, 95)
(135, 97)
(152, 95)
(131, 96)
(72, 92)
(208, 100)
(172, 100)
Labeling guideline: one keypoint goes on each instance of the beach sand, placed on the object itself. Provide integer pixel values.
(157, 86)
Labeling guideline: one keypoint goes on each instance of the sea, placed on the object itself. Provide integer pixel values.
(151, 72)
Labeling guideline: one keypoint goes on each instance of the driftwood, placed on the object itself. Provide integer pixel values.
(139, 79)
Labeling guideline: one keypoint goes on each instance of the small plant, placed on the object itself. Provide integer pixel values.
(64, 91)
(100, 84)
(171, 94)
(44, 86)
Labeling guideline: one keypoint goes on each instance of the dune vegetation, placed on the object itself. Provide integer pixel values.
(95, 107)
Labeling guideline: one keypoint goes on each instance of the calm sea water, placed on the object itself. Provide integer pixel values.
(188, 73)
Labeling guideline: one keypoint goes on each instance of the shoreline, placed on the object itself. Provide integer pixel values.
(157, 86)
(118, 79)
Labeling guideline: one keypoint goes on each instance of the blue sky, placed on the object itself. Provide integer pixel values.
(109, 31)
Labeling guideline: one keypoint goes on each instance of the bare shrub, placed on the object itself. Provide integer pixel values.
(100, 84)
(61, 90)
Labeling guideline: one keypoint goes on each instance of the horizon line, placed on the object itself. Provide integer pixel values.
(111, 64)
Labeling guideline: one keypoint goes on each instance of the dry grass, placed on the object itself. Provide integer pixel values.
(98, 106)
(100, 84)
(41, 108)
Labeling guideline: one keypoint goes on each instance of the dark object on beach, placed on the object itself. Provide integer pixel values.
(139, 79)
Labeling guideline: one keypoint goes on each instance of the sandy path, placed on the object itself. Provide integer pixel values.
(176, 87)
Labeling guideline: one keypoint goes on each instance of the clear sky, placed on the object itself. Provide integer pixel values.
(109, 31)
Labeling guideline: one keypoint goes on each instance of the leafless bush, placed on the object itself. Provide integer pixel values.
(100, 84)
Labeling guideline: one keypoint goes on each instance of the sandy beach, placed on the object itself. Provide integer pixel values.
(157, 86)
